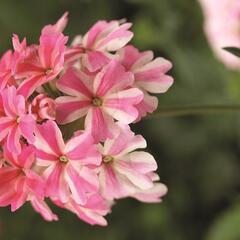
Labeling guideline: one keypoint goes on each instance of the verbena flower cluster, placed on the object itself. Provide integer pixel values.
(64, 121)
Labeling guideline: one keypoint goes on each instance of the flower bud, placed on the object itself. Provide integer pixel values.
(43, 108)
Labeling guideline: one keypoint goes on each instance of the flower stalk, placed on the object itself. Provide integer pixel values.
(178, 111)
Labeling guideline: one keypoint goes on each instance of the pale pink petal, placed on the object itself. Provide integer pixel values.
(27, 127)
(26, 158)
(99, 124)
(143, 59)
(41, 207)
(17, 45)
(114, 185)
(81, 182)
(49, 135)
(28, 86)
(51, 50)
(13, 140)
(75, 184)
(140, 180)
(74, 150)
(6, 124)
(59, 26)
(74, 83)
(128, 56)
(56, 185)
(95, 60)
(11, 100)
(91, 36)
(21, 194)
(140, 161)
(112, 78)
(121, 106)
(124, 142)
(152, 78)
(89, 215)
(35, 183)
(116, 39)
(45, 156)
(70, 108)
(152, 195)
(148, 105)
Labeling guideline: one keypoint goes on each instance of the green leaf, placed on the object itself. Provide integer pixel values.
(227, 225)
(233, 50)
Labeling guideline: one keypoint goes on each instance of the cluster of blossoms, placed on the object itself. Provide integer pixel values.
(222, 27)
(64, 115)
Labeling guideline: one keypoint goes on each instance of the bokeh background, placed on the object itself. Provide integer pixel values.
(198, 156)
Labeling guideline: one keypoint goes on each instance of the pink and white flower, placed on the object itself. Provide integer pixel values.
(68, 167)
(41, 64)
(15, 122)
(149, 75)
(222, 28)
(106, 97)
(6, 70)
(95, 47)
(96, 81)
(18, 183)
(124, 171)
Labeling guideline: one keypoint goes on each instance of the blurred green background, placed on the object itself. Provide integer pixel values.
(198, 156)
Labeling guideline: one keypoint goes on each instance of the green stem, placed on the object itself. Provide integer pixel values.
(48, 89)
(194, 110)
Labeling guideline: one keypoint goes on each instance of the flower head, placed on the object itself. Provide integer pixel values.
(64, 115)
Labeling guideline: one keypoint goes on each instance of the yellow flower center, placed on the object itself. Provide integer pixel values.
(108, 159)
(48, 71)
(97, 102)
(63, 159)
(18, 120)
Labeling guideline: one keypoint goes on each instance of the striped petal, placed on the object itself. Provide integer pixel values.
(99, 124)
(121, 105)
(152, 78)
(75, 83)
(69, 109)
(74, 150)
(112, 78)
(49, 138)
